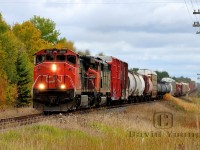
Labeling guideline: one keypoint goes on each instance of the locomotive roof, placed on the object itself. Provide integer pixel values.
(93, 58)
(60, 51)
(108, 58)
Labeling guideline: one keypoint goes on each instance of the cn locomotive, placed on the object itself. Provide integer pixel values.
(64, 80)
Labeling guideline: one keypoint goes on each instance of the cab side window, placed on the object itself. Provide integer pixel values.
(71, 59)
(40, 59)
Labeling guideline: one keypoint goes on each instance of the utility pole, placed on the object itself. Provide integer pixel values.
(196, 12)
(198, 78)
(196, 24)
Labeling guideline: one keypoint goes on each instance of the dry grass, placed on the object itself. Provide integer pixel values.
(94, 131)
(119, 128)
(179, 103)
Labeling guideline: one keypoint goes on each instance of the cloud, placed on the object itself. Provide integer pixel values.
(158, 36)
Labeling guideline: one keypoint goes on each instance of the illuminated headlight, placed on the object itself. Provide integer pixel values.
(54, 67)
(62, 86)
(41, 86)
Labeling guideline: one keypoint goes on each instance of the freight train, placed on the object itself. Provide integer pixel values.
(64, 80)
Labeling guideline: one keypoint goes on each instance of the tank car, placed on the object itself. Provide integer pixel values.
(150, 78)
(136, 86)
(163, 88)
(172, 84)
(148, 87)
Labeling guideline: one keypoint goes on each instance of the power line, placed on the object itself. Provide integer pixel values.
(129, 2)
(188, 11)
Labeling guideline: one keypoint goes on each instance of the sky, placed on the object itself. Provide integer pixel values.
(147, 34)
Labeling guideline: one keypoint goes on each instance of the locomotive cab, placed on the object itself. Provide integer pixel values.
(55, 78)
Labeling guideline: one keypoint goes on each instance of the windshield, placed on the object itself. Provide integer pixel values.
(60, 58)
(49, 57)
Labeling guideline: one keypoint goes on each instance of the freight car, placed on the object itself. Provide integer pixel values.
(64, 81)
(177, 89)
(192, 86)
(184, 88)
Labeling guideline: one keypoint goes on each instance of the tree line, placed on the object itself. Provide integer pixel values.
(18, 43)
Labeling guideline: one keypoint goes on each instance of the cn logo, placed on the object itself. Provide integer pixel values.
(53, 79)
(163, 120)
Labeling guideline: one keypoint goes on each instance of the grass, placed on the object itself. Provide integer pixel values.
(48, 137)
(45, 137)
(182, 105)
(117, 129)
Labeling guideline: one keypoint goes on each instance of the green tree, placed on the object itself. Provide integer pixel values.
(182, 79)
(23, 79)
(133, 70)
(3, 77)
(47, 28)
(161, 74)
(3, 25)
(63, 44)
(8, 55)
(30, 37)
(10, 45)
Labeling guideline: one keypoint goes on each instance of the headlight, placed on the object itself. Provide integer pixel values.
(62, 86)
(41, 86)
(54, 67)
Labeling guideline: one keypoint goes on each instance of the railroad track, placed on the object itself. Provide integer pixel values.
(21, 121)
(14, 122)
